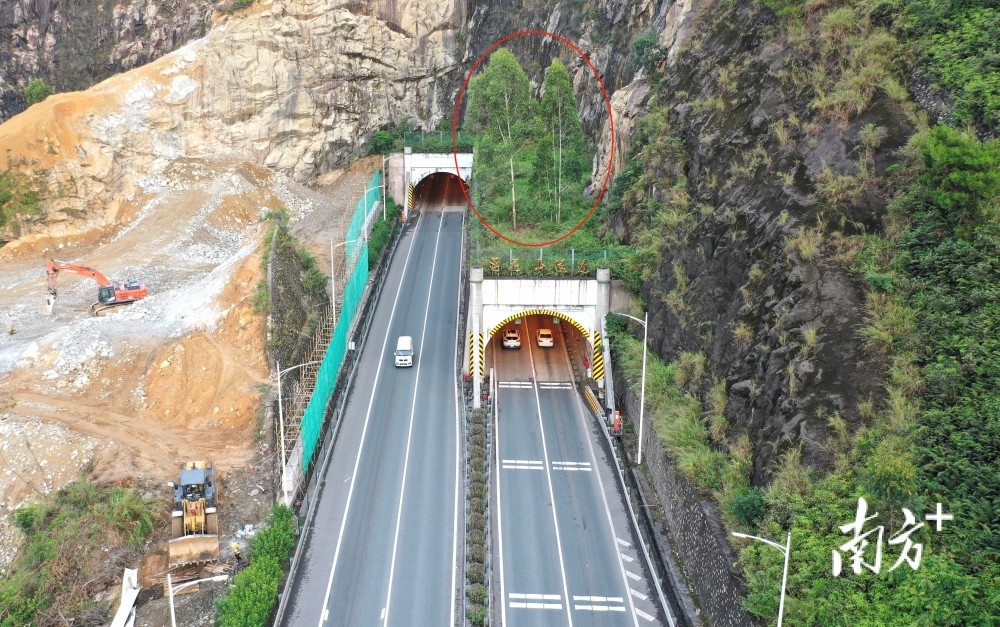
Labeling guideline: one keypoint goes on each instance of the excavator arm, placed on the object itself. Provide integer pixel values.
(53, 268)
(109, 296)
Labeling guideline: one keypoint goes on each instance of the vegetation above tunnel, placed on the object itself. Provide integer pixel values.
(532, 157)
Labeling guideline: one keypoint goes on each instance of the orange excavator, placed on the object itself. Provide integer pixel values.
(109, 295)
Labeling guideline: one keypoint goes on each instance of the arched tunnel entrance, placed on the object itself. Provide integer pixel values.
(542, 345)
(441, 191)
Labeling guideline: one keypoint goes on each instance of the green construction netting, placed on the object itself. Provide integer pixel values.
(361, 222)
(357, 258)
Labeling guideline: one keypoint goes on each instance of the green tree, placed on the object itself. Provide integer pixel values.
(565, 139)
(37, 91)
(502, 114)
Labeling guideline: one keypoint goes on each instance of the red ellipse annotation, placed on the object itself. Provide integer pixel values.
(454, 135)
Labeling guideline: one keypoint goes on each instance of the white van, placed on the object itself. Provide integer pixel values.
(404, 351)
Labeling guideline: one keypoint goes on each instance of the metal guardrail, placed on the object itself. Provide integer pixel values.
(437, 141)
(547, 262)
(639, 510)
(337, 405)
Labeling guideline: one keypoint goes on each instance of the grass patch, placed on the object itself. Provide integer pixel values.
(75, 543)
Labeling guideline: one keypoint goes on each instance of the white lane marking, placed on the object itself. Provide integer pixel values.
(599, 599)
(638, 594)
(514, 384)
(552, 494)
(555, 385)
(496, 456)
(581, 412)
(628, 558)
(326, 614)
(600, 608)
(585, 466)
(409, 433)
(382, 615)
(633, 576)
(537, 606)
(644, 615)
(622, 542)
(535, 596)
(523, 462)
(364, 431)
(513, 467)
(458, 444)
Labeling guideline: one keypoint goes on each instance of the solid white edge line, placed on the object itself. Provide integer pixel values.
(496, 453)
(458, 438)
(548, 478)
(581, 411)
(364, 432)
(409, 433)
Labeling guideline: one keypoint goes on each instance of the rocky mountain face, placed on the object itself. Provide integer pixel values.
(297, 86)
(753, 281)
(72, 45)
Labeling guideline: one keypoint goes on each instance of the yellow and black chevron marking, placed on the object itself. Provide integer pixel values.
(409, 197)
(588, 395)
(472, 354)
(543, 312)
(598, 362)
(482, 355)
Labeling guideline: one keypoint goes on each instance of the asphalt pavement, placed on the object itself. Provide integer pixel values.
(567, 553)
(386, 535)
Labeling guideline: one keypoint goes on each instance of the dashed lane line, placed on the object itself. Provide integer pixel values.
(638, 594)
(600, 608)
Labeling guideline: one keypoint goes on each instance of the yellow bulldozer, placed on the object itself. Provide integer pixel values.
(194, 523)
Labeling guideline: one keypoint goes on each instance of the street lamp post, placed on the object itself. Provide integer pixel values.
(786, 550)
(642, 392)
(281, 429)
(171, 589)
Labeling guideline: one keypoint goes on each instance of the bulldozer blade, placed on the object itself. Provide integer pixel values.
(193, 550)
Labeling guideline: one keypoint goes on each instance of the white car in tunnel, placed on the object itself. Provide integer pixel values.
(512, 338)
(544, 338)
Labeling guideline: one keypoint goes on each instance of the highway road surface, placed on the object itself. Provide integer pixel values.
(566, 550)
(386, 535)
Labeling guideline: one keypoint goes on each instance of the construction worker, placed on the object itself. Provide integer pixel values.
(236, 552)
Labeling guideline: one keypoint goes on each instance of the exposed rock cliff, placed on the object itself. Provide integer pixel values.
(72, 45)
(297, 86)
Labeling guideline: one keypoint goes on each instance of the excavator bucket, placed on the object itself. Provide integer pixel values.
(48, 303)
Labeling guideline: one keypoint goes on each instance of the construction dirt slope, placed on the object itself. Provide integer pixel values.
(177, 376)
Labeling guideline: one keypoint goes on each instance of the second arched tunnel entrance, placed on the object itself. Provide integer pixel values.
(551, 350)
